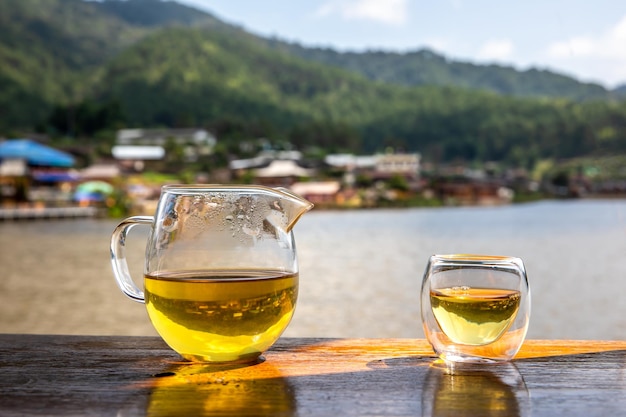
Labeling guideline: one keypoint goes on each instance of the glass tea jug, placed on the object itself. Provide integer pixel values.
(221, 274)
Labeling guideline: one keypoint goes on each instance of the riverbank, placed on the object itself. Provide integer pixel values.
(47, 213)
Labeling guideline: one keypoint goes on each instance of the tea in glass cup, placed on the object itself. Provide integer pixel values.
(475, 308)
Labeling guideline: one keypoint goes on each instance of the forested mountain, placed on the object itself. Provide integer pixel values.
(425, 67)
(155, 14)
(48, 49)
(620, 92)
(79, 68)
(420, 67)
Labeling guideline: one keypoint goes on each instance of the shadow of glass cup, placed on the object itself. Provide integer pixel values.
(471, 389)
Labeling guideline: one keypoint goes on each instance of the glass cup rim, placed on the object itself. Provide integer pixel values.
(474, 258)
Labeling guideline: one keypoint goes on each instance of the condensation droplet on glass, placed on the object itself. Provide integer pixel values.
(170, 224)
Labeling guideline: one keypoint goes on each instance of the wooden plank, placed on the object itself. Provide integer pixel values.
(136, 376)
(545, 348)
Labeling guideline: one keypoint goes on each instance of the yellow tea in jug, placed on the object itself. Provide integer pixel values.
(221, 316)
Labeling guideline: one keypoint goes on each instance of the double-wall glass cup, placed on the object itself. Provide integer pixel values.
(475, 308)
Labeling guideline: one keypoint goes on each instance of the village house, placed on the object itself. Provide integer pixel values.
(135, 157)
(406, 165)
(281, 173)
(136, 146)
(272, 168)
(102, 171)
(31, 171)
(320, 193)
(378, 167)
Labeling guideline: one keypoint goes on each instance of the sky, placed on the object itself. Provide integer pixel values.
(585, 39)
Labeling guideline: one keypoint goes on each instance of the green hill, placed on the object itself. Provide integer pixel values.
(425, 67)
(422, 67)
(48, 49)
(79, 68)
(157, 14)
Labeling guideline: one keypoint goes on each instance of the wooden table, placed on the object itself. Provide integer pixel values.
(135, 376)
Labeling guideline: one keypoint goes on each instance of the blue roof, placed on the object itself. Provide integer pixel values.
(35, 153)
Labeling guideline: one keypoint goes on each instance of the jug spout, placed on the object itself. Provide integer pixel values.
(291, 205)
(239, 209)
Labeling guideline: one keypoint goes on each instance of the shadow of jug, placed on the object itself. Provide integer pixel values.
(465, 389)
(207, 390)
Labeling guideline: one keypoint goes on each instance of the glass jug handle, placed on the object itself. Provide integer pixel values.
(118, 256)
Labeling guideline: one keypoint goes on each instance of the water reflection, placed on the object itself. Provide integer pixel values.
(475, 390)
(203, 390)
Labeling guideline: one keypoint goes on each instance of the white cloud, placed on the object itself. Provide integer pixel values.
(390, 12)
(610, 44)
(496, 50)
(576, 46)
(593, 53)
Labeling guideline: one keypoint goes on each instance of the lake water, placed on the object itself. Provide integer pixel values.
(360, 271)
